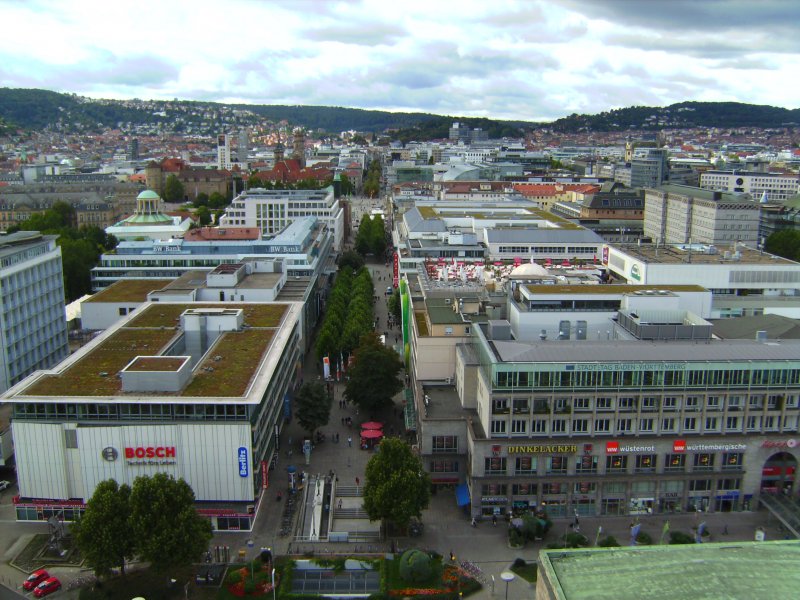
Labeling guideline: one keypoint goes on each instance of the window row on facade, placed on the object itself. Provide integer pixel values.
(510, 427)
(686, 378)
(638, 403)
(615, 464)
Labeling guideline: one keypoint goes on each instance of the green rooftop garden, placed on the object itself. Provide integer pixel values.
(96, 373)
(129, 290)
(168, 315)
(233, 360)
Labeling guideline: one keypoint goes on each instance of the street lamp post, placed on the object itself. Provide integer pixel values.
(273, 583)
(508, 577)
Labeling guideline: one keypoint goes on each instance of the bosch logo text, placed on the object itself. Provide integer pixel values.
(150, 455)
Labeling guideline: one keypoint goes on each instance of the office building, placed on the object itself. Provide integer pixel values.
(272, 210)
(743, 281)
(33, 327)
(604, 402)
(650, 170)
(777, 186)
(224, 152)
(195, 390)
(678, 214)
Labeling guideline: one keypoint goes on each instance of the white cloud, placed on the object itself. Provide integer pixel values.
(506, 59)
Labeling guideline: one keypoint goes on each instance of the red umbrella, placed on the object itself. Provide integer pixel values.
(372, 425)
(497, 263)
(371, 434)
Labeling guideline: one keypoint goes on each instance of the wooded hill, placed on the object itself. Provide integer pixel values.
(36, 109)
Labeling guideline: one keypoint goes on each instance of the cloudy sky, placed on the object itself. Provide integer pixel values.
(527, 60)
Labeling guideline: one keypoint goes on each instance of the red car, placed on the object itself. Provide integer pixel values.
(35, 579)
(48, 586)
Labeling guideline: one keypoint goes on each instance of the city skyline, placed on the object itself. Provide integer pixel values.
(511, 60)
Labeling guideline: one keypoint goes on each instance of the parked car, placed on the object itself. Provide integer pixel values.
(4, 485)
(389, 290)
(48, 586)
(34, 579)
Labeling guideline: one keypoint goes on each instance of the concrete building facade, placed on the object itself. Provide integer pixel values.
(677, 214)
(33, 328)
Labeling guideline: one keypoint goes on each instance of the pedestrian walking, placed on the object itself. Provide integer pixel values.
(494, 520)
(349, 441)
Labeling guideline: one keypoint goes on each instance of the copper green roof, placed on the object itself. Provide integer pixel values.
(148, 195)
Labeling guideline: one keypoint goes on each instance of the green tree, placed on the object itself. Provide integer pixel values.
(203, 216)
(351, 259)
(313, 406)
(395, 305)
(346, 188)
(201, 200)
(173, 189)
(397, 488)
(78, 256)
(217, 200)
(785, 243)
(66, 214)
(164, 523)
(374, 375)
(102, 534)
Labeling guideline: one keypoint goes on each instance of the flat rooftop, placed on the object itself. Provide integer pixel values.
(680, 253)
(226, 370)
(600, 289)
(675, 572)
(498, 212)
(129, 290)
(612, 352)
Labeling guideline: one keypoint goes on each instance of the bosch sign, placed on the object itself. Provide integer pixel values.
(150, 455)
(150, 452)
(243, 463)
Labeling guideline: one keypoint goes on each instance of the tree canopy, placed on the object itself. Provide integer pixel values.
(372, 182)
(173, 189)
(349, 313)
(103, 532)
(785, 243)
(351, 259)
(80, 248)
(371, 236)
(155, 520)
(166, 528)
(397, 488)
(313, 406)
(374, 375)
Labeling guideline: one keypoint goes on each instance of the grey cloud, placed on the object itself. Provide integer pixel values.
(695, 15)
(102, 69)
(747, 63)
(357, 33)
(697, 47)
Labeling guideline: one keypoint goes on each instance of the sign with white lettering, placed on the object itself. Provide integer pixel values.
(244, 467)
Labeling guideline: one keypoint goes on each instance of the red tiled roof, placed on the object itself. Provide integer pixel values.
(224, 233)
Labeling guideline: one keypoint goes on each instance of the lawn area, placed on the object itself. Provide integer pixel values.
(85, 377)
(129, 290)
(234, 360)
(168, 315)
(527, 571)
